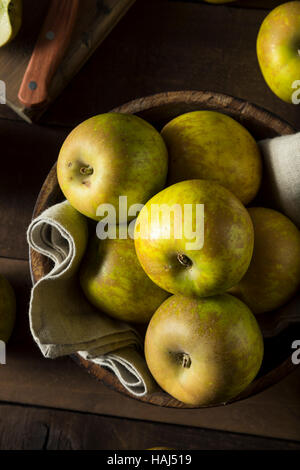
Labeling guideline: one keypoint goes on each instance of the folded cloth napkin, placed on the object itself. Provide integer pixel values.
(282, 168)
(62, 321)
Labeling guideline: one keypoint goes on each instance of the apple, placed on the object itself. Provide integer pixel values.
(7, 309)
(211, 145)
(114, 281)
(178, 262)
(273, 276)
(108, 156)
(278, 49)
(10, 20)
(203, 351)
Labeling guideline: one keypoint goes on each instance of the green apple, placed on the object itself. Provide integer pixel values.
(7, 309)
(278, 49)
(273, 276)
(10, 20)
(203, 351)
(108, 156)
(213, 146)
(114, 281)
(186, 253)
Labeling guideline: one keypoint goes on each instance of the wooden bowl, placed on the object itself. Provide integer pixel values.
(158, 110)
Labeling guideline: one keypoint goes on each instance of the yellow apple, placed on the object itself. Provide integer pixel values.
(108, 156)
(114, 281)
(211, 145)
(186, 253)
(278, 50)
(273, 276)
(203, 351)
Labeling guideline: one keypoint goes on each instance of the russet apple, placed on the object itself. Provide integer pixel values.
(278, 49)
(7, 309)
(108, 156)
(210, 254)
(114, 281)
(203, 351)
(213, 146)
(273, 276)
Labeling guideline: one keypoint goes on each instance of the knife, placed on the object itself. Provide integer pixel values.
(48, 52)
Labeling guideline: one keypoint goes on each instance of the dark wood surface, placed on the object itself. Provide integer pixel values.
(159, 45)
(165, 45)
(172, 46)
(95, 20)
(263, 4)
(31, 428)
(28, 153)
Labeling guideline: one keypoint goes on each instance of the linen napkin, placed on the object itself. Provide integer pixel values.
(282, 168)
(62, 321)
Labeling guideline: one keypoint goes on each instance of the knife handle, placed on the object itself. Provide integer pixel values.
(48, 52)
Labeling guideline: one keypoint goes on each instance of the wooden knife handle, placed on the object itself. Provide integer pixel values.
(48, 52)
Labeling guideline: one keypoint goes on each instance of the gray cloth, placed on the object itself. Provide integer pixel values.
(282, 168)
(62, 321)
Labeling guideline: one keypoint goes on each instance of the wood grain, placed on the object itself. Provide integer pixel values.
(96, 20)
(164, 45)
(28, 428)
(263, 4)
(169, 46)
(158, 110)
(27, 154)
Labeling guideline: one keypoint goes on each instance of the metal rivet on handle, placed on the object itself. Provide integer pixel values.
(50, 35)
(32, 85)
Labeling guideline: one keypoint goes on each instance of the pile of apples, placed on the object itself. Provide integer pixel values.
(196, 282)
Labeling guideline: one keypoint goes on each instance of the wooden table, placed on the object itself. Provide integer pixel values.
(159, 45)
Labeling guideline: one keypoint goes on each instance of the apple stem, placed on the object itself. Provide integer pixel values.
(183, 359)
(186, 360)
(184, 260)
(86, 170)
